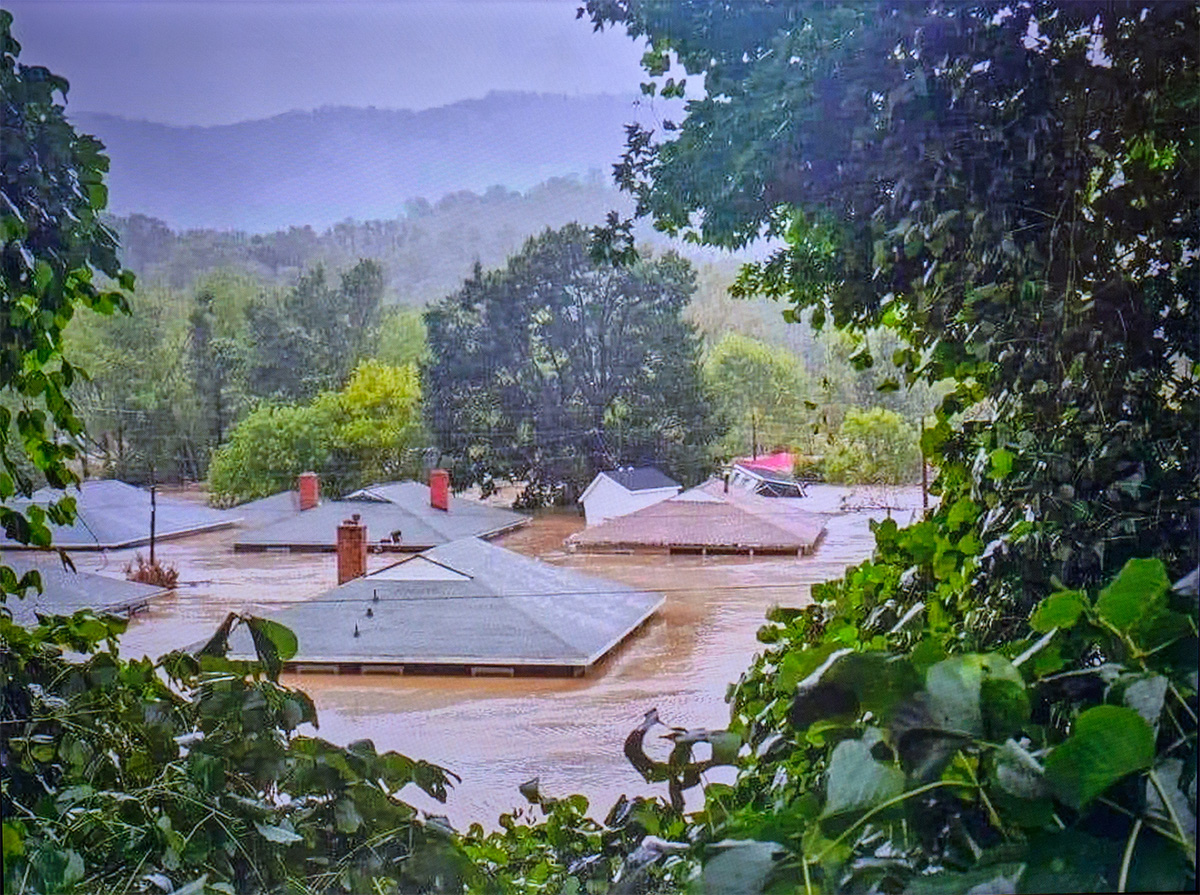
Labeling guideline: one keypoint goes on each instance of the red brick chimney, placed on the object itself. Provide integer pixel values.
(351, 549)
(439, 489)
(309, 486)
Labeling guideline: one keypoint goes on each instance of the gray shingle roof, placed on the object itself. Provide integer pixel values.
(500, 608)
(65, 592)
(398, 506)
(709, 518)
(112, 514)
(643, 478)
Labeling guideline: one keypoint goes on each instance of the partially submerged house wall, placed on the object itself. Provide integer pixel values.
(607, 499)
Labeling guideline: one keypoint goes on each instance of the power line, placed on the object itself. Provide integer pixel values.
(369, 601)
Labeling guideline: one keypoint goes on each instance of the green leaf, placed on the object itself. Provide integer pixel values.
(278, 834)
(1005, 707)
(1144, 693)
(999, 879)
(14, 841)
(1001, 462)
(954, 689)
(1060, 610)
(1141, 585)
(1107, 743)
(725, 746)
(741, 868)
(857, 782)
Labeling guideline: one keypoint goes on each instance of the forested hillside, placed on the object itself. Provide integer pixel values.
(426, 246)
(324, 166)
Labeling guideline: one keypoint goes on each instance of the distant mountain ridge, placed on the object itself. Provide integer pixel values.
(319, 168)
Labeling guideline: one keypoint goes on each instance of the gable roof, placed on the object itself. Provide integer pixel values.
(497, 608)
(641, 478)
(112, 514)
(633, 479)
(709, 518)
(393, 507)
(65, 592)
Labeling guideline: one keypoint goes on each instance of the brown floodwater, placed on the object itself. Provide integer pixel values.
(497, 733)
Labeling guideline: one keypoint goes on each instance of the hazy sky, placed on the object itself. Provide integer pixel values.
(220, 61)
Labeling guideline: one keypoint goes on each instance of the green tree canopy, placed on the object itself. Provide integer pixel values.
(55, 250)
(368, 432)
(874, 447)
(308, 339)
(760, 392)
(1010, 187)
(554, 367)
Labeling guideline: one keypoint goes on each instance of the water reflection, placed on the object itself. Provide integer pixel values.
(494, 732)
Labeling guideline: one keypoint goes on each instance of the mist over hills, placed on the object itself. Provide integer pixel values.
(319, 168)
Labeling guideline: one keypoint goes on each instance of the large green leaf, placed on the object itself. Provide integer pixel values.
(1140, 588)
(278, 834)
(741, 868)
(1107, 743)
(857, 782)
(1060, 610)
(954, 689)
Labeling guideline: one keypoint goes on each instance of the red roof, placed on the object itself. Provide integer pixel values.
(780, 461)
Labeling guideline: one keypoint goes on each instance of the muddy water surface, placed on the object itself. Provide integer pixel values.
(499, 732)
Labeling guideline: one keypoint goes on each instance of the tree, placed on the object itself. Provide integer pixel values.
(760, 392)
(368, 432)
(936, 168)
(554, 367)
(310, 338)
(402, 338)
(55, 248)
(1011, 187)
(874, 447)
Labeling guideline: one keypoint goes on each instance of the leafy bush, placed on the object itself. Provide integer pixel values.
(369, 431)
(875, 447)
(187, 775)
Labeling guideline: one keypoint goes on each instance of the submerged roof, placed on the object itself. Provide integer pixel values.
(400, 508)
(780, 461)
(112, 514)
(709, 517)
(65, 592)
(466, 603)
(642, 478)
(767, 481)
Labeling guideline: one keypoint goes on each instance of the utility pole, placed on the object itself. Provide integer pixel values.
(153, 511)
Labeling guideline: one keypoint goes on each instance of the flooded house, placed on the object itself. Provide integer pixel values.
(404, 517)
(66, 590)
(714, 518)
(618, 492)
(111, 515)
(466, 607)
(766, 481)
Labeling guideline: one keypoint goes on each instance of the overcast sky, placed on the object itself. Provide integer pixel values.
(221, 61)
